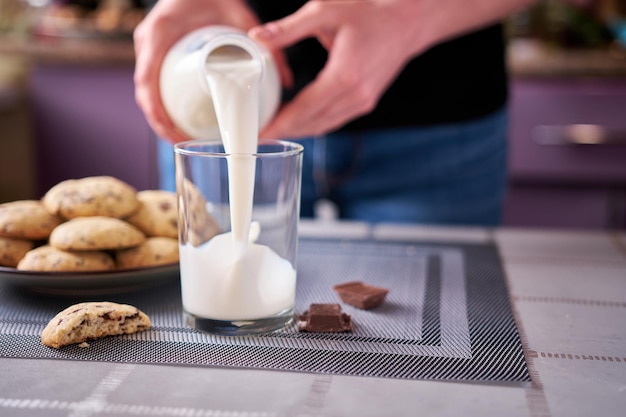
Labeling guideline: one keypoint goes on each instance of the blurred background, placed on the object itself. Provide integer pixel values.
(67, 106)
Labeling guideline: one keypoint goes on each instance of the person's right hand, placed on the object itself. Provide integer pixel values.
(166, 23)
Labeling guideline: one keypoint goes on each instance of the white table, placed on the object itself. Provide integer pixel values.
(568, 292)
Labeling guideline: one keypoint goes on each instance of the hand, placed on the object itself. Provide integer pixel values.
(369, 42)
(167, 22)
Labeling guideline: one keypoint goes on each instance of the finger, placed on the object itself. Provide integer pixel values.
(158, 119)
(147, 90)
(155, 115)
(330, 101)
(289, 125)
(318, 108)
(281, 33)
(284, 71)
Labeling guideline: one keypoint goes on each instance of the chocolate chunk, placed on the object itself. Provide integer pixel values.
(361, 295)
(324, 318)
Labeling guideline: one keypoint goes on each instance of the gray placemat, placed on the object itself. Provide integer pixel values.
(447, 316)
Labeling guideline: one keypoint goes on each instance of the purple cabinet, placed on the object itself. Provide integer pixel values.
(567, 153)
(87, 123)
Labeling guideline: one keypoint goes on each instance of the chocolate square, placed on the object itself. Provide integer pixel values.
(360, 294)
(324, 318)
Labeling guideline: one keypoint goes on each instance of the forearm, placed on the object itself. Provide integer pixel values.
(435, 21)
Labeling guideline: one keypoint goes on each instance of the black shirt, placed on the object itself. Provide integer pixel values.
(458, 80)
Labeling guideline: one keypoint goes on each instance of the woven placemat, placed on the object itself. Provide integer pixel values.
(447, 316)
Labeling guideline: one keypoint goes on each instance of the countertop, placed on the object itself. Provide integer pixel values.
(568, 294)
(532, 59)
(527, 58)
(74, 51)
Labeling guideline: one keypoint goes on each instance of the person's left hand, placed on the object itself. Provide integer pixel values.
(369, 42)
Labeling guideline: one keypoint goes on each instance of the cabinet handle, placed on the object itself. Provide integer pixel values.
(577, 135)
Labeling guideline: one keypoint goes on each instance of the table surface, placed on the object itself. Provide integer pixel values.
(568, 294)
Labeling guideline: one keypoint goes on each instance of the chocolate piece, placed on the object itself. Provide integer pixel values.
(361, 295)
(324, 318)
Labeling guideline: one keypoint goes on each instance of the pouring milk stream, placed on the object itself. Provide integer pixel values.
(246, 280)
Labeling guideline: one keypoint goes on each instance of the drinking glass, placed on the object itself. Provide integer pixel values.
(238, 235)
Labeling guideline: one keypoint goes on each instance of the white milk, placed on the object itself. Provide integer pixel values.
(234, 82)
(229, 278)
(224, 283)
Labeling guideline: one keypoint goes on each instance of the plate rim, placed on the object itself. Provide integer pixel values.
(157, 268)
(76, 282)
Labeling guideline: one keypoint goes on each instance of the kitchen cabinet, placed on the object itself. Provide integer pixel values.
(84, 116)
(17, 148)
(87, 123)
(562, 173)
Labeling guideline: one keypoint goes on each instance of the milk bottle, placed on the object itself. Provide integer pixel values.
(184, 89)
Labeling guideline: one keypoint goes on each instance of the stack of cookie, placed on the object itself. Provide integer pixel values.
(90, 224)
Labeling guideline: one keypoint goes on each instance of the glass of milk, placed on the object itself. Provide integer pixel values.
(238, 235)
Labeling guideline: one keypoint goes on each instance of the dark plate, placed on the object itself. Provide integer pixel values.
(70, 283)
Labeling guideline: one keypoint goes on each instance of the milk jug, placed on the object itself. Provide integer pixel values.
(184, 87)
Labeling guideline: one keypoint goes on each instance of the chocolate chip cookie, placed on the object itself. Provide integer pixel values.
(157, 214)
(91, 320)
(13, 250)
(26, 219)
(153, 252)
(51, 259)
(91, 196)
(197, 225)
(95, 233)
